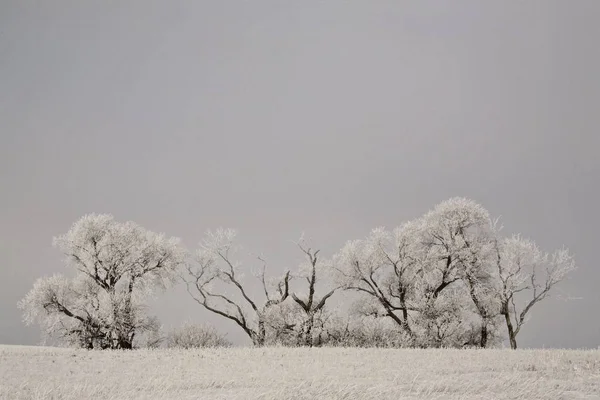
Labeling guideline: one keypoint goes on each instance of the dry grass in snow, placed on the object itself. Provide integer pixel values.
(298, 373)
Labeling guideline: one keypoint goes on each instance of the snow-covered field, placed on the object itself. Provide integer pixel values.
(298, 373)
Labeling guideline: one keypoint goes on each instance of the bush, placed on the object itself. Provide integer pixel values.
(190, 336)
(366, 332)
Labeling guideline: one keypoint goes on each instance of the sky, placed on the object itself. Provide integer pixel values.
(277, 118)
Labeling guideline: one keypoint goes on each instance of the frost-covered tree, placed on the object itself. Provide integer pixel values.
(458, 239)
(413, 274)
(117, 266)
(524, 271)
(215, 282)
(383, 267)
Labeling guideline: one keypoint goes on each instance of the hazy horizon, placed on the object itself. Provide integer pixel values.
(329, 118)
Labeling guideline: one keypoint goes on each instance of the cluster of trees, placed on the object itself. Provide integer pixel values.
(446, 279)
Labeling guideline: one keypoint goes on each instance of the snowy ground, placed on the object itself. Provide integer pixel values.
(280, 373)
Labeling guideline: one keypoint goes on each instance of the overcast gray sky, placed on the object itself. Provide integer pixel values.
(278, 117)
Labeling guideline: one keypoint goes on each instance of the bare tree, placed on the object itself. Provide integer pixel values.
(118, 266)
(214, 267)
(522, 268)
(310, 303)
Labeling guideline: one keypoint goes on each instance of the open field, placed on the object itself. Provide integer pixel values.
(298, 373)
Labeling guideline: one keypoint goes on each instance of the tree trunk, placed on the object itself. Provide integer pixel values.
(511, 330)
(308, 334)
(480, 309)
(258, 339)
(125, 344)
(405, 324)
(484, 334)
